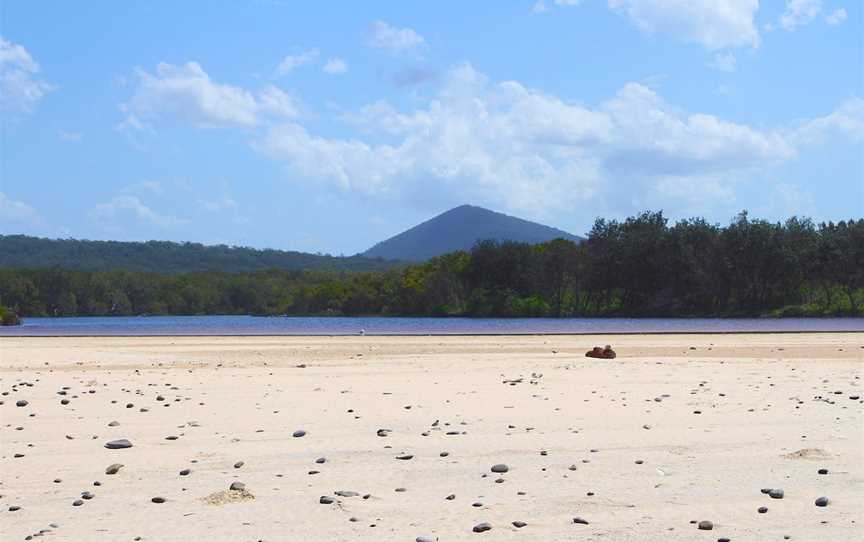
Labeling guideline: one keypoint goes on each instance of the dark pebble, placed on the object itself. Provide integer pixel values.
(482, 527)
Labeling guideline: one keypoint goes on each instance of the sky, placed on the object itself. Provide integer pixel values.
(329, 126)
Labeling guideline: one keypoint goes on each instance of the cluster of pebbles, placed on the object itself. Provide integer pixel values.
(394, 442)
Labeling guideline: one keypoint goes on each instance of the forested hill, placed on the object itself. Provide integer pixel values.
(461, 228)
(24, 252)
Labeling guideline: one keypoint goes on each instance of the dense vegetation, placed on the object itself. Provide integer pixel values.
(23, 252)
(8, 317)
(641, 266)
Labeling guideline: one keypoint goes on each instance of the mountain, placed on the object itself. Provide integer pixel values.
(24, 252)
(459, 229)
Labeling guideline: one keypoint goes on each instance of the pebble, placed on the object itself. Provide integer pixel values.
(519, 524)
(21, 403)
(705, 525)
(118, 444)
(185, 472)
(114, 468)
(157, 500)
(500, 468)
(762, 509)
(326, 499)
(482, 527)
(237, 486)
(580, 521)
(822, 501)
(77, 502)
(775, 493)
(299, 433)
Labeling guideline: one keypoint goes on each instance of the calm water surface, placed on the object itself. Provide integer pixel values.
(253, 325)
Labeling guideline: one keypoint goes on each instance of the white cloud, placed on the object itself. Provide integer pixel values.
(151, 187)
(188, 92)
(290, 62)
(395, 40)
(217, 205)
(838, 16)
(846, 122)
(335, 66)
(539, 7)
(20, 88)
(18, 217)
(799, 13)
(724, 62)
(70, 137)
(716, 24)
(122, 211)
(567, 2)
(525, 150)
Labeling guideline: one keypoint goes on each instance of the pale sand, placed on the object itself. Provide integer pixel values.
(247, 395)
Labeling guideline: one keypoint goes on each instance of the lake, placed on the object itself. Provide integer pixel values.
(253, 325)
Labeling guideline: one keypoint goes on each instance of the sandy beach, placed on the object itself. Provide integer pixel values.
(679, 429)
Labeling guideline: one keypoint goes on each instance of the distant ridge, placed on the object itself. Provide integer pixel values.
(165, 257)
(459, 229)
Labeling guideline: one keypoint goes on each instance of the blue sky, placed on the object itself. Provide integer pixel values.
(328, 126)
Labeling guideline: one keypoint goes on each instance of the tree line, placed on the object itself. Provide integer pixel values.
(641, 266)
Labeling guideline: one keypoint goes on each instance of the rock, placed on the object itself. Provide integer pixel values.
(77, 502)
(822, 501)
(423, 539)
(602, 353)
(705, 525)
(237, 486)
(343, 493)
(382, 432)
(450, 497)
(157, 500)
(580, 521)
(238, 464)
(482, 527)
(405, 457)
(114, 468)
(87, 495)
(21, 403)
(519, 524)
(762, 509)
(321, 460)
(776, 493)
(113, 424)
(185, 472)
(823, 471)
(299, 433)
(326, 499)
(500, 468)
(118, 444)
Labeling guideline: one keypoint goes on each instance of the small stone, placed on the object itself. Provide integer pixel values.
(822, 501)
(321, 460)
(482, 527)
(519, 524)
(823, 471)
(77, 502)
(185, 472)
(118, 444)
(423, 539)
(580, 521)
(87, 495)
(405, 457)
(450, 497)
(21, 403)
(14, 508)
(326, 499)
(343, 493)
(776, 493)
(157, 500)
(500, 468)
(705, 525)
(762, 509)
(238, 464)
(237, 486)
(114, 468)
(299, 433)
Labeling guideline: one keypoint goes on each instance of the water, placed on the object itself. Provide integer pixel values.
(253, 325)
